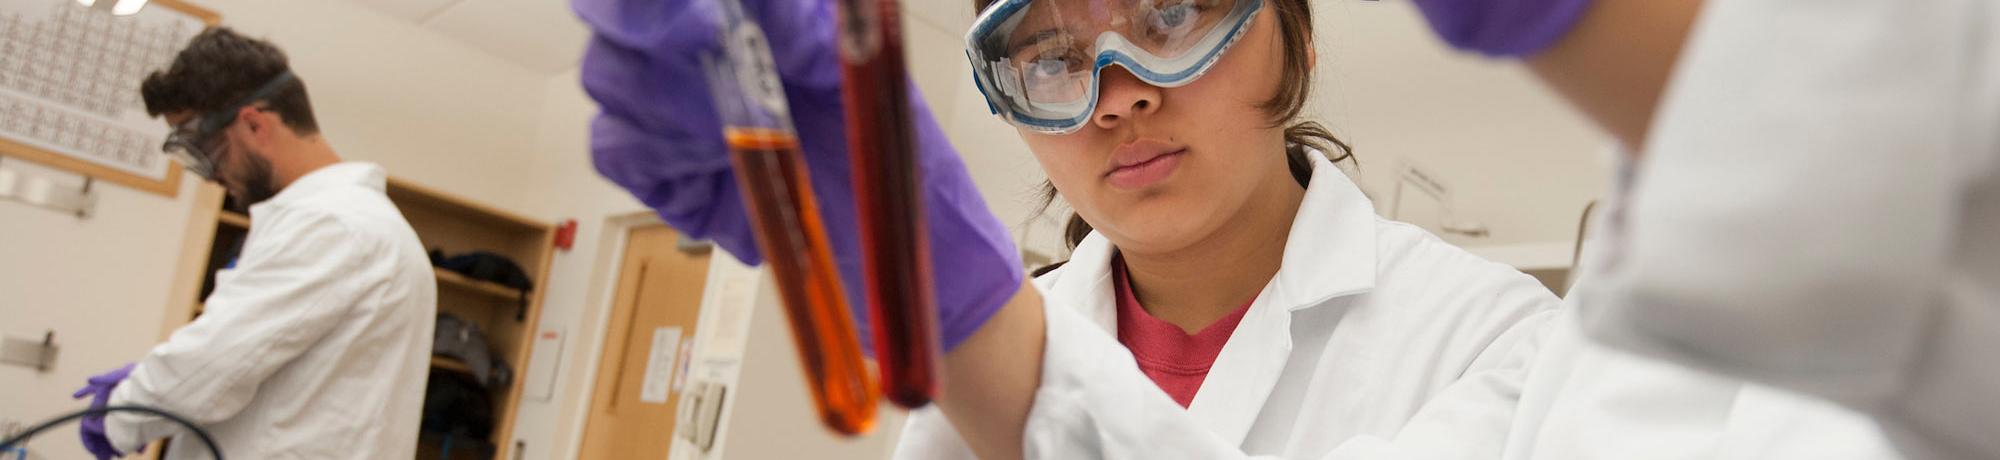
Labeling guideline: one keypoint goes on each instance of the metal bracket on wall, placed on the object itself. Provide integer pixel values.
(42, 192)
(1429, 184)
(38, 354)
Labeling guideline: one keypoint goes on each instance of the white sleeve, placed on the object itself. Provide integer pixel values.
(1475, 417)
(286, 292)
(1797, 215)
(1589, 402)
(1793, 211)
(1094, 403)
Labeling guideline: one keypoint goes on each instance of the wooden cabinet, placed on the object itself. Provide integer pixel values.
(444, 222)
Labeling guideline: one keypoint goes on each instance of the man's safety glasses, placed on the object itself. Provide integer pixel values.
(194, 143)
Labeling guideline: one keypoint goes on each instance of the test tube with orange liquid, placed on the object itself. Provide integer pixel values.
(771, 172)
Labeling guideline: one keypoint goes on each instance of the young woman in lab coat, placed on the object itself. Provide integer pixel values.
(1247, 276)
(1238, 296)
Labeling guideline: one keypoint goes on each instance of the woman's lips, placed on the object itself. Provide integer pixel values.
(1144, 169)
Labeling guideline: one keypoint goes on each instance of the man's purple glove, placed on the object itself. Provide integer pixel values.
(659, 136)
(98, 389)
(1503, 28)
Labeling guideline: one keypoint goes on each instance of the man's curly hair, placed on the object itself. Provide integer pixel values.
(220, 67)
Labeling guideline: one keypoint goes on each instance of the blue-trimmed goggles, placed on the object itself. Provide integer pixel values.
(1037, 61)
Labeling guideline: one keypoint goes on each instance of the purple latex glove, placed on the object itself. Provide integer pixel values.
(98, 388)
(658, 135)
(1503, 28)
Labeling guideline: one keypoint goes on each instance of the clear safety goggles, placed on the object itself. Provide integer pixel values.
(1038, 61)
(185, 145)
(194, 143)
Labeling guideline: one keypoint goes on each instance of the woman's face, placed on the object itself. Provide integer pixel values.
(1160, 169)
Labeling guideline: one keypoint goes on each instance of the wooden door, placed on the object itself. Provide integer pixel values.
(659, 289)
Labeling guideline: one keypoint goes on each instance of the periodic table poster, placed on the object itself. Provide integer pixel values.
(69, 87)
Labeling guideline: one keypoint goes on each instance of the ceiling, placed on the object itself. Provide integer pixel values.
(542, 35)
(545, 36)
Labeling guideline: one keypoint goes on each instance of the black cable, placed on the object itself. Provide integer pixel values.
(45, 426)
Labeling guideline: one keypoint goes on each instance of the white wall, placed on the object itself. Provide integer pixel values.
(429, 109)
(574, 301)
(100, 283)
(1519, 159)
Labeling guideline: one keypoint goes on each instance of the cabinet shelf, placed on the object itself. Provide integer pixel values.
(451, 279)
(448, 364)
(234, 219)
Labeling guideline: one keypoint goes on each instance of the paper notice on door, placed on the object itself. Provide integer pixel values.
(660, 365)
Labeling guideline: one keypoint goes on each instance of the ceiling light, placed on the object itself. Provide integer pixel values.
(128, 7)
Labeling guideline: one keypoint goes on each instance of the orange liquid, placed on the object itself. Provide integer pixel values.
(882, 146)
(786, 220)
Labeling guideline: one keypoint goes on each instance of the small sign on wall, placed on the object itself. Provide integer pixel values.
(542, 365)
(660, 365)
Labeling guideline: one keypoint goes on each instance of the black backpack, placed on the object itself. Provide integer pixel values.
(460, 412)
(461, 339)
(457, 404)
(487, 266)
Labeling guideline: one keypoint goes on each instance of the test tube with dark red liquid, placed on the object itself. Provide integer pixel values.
(882, 146)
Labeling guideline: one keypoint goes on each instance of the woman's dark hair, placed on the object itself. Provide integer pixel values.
(220, 67)
(1302, 137)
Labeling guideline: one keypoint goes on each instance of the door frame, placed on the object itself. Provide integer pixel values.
(609, 267)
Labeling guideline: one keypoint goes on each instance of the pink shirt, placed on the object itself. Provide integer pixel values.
(1176, 361)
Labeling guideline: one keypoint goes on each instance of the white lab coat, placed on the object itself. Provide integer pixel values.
(315, 346)
(1585, 401)
(1819, 210)
(1372, 330)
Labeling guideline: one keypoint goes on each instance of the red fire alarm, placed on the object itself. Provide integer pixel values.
(566, 234)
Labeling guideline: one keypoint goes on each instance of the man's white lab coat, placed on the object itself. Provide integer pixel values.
(315, 346)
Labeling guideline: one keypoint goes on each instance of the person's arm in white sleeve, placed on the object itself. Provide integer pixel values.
(1795, 221)
(1795, 215)
(1475, 417)
(288, 289)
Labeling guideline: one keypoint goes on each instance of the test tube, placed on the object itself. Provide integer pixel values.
(785, 218)
(895, 252)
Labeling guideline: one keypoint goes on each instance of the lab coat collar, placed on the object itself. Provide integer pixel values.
(335, 175)
(1330, 252)
(1331, 249)
(1085, 281)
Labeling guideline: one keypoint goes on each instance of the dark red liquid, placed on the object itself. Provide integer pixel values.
(786, 220)
(896, 252)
